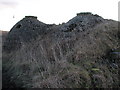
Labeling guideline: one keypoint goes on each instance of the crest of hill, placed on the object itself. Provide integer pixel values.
(83, 21)
(82, 53)
(27, 29)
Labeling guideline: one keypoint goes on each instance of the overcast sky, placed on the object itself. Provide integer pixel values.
(53, 11)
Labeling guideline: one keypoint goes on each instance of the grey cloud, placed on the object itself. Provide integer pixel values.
(8, 4)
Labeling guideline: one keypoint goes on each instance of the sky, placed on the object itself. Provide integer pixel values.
(53, 11)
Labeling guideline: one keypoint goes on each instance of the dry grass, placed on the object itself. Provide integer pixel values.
(65, 63)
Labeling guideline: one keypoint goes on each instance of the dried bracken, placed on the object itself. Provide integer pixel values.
(82, 53)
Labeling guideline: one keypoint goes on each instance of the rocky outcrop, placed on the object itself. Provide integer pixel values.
(83, 21)
(82, 53)
(29, 28)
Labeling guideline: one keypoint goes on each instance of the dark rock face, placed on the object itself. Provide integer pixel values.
(83, 21)
(29, 28)
(82, 53)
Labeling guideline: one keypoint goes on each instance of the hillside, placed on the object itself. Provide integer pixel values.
(3, 34)
(81, 53)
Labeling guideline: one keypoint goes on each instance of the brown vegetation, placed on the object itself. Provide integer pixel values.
(83, 57)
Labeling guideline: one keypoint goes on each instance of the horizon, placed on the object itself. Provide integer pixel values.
(53, 12)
